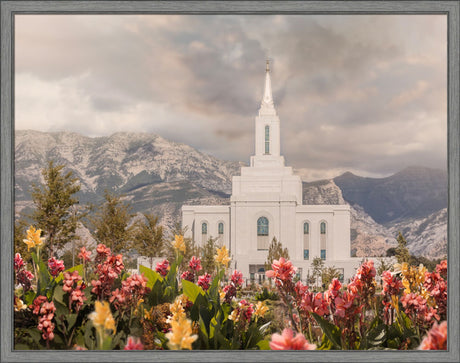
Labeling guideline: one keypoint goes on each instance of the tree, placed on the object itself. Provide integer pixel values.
(56, 206)
(148, 237)
(391, 252)
(208, 251)
(328, 274)
(402, 253)
(318, 266)
(275, 252)
(383, 266)
(111, 223)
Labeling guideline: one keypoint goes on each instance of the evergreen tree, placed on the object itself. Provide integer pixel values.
(402, 253)
(148, 238)
(56, 206)
(328, 274)
(208, 251)
(383, 266)
(111, 223)
(275, 252)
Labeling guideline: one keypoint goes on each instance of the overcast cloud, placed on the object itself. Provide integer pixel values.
(361, 93)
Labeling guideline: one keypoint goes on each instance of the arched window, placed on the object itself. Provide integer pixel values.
(323, 240)
(204, 228)
(262, 233)
(306, 228)
(323, 228)
(262, 226)
(267, 139)
(220, 228)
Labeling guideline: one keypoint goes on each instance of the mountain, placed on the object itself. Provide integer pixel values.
(414, 192)
(159, 176)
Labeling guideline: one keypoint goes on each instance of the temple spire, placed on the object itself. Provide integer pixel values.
(267, 106)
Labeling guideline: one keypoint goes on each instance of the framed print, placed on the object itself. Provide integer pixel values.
(211, 180)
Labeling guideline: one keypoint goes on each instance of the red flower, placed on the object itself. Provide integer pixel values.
(230, 292)
(237, 278)
(188, 275)
(436, 338)
(102, 252)
(134, 344)
(282, 270)
(18, 262)
(391, 284)
(55, 266)
(162, 267)
(287, 341)
(204, 281)
(195, 264)
(46, 310)
(74, 285)
(84, 254)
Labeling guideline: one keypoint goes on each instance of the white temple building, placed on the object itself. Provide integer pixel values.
(266, 202)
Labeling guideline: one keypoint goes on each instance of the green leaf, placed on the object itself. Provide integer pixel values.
(152, 276)
(263, 344)
(191, 290)
(59, 295)
(29, 297)
(71, 319)
(214, 288)
(264, 328)
(332, 331)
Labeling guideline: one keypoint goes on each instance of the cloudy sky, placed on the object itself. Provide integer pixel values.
(359, 93)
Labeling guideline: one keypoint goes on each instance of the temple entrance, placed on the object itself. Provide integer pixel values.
(257, 273)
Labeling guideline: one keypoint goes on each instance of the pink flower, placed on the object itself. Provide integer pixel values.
(436, 338)
(84, 254)
(134, 344)
(230, 292)
(314, 303)
(188, 275)
(46, 310)
(133, 289)
(73, 284)
(102, 252)
(55, 266)
(204, 281)
(442, 269)
(282, 270)
(18, 262)
(195, 264)
(391, 285)
(24, 278)
(162, 267)
(237, 278)
(287, 341)
(333, 290)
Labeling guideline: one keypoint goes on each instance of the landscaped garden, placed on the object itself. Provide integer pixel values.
(97, 304)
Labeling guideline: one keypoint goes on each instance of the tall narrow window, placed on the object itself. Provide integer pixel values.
(262, 233)
(267, 139)
(220, 228)
(323, 239)
(306, 241)
(323, 228)
(204, 228)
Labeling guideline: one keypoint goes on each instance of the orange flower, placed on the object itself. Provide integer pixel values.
(33, 238)
(436, 338)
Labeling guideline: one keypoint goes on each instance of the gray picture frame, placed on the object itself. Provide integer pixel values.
(10, 8)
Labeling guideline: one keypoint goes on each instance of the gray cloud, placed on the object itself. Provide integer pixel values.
(364, 93)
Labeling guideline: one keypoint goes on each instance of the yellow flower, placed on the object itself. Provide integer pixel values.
(33, 238)
(177, 309)
(222, 256)
(233, 316)
(102, 316)
(179, 243)
(180, 336)
(19, 305)
(260, 309)
(221, 295)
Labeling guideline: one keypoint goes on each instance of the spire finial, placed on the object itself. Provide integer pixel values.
(267, 106)
(267, 67)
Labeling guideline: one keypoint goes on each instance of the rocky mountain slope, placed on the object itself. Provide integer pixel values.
(159, 176)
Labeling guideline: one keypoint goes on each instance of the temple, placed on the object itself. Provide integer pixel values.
(266, 203)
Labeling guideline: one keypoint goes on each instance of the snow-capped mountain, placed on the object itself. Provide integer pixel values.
(159, 176)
